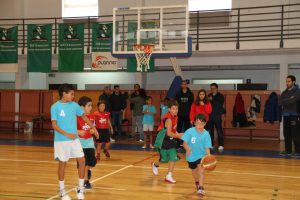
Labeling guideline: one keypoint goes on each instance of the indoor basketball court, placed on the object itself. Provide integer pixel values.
(157, 46)
(29, 172)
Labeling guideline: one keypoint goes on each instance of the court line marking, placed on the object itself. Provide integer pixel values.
(102, 188)
(181, 169)
(109, 174)
(102, 177)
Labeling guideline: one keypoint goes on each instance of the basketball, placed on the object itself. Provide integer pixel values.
(209, 162)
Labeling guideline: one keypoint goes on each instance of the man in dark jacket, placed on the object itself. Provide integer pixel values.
(105, 97)
(132, 104)
(118, 104)
(289, 100)
(185, 98)
(215, 118)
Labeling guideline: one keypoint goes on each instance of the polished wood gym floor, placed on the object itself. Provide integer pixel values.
(29, 172)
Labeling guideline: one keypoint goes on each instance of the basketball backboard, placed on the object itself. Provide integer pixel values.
(166, 27)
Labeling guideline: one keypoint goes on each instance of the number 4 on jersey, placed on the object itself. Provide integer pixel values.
(62, 113)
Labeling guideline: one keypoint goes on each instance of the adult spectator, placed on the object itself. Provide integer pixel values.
(137, 112)
(118, 104)
(215, 119)
(105, 96)
(185, 98)
(134, 128)
(290, 102)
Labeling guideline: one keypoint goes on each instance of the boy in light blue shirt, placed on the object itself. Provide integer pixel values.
(148, 121)
(66, 142)
(197, 144)
(164, 107)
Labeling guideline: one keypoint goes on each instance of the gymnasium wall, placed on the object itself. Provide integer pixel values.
(23, 105)
(162, 79)
(157, 80)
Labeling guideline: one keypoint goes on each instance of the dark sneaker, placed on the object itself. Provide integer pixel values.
(296, 155)
(285, 153)
(130, 137)
(106, 153)
(87, 185)
(89, 176)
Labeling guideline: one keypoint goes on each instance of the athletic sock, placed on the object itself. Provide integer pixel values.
(61, 185)
(80, 182)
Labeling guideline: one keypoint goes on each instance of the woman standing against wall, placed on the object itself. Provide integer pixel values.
(201, 106)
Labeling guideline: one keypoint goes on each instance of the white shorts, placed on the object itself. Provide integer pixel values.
(148, 127)
(65, 150)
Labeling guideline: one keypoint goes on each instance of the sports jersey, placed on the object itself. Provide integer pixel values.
(101, 119)
(65, 116)
(168, 142)
(198, 142)
(82, 125)
(163, 120)
(149, 118)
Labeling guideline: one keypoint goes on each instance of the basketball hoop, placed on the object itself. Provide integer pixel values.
(143, 54)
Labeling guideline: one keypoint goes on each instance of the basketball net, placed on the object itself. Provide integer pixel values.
(143, 54)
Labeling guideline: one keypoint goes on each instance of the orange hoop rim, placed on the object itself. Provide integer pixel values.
(147, 48)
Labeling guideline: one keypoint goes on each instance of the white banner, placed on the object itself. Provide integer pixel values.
(104, 61)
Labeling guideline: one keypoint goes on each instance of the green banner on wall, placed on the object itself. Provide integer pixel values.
(39, 43)
(131, 62)
(9, 45)
(101, 37)
(71, 47)
(101, 51)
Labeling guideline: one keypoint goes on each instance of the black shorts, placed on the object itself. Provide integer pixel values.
(194, 165)
(90, 158)
(104, 136)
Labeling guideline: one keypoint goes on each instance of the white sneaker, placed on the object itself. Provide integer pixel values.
(80, 193)
(141, 140)
(221, 148)
(201, 192)
(154, 169)
(112, 140)
(63, 195)
(170, 179)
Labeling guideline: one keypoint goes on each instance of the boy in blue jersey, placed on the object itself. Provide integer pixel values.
(148, 121)
(197, 144)
(66, 142)
(164, 107)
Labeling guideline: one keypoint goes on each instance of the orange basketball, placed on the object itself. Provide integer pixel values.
(209, 162)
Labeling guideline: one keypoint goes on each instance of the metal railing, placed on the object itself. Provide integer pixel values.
(276, 23)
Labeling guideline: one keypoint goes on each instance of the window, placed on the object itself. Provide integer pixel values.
(79, 8)
(218, 81)
(219, 17)
(203, 5)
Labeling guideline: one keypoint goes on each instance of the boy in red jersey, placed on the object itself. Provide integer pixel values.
(86, 138)
(103, 125)
(165, 142)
